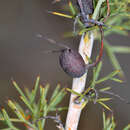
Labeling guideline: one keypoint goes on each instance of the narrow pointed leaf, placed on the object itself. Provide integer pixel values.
(35, 89)
(27, 103)
(105, 89)
(108, 122)
(98, 70)
(86, 29)
(43, 93)
(19, 107)
(121, 49)
(74, 92)
(103, 99)
(84, 104)
(113, 123)
(72, 9)
(109, 76)
(19, 90)
(28, 93)
(19, 114)
(59, 109)
(113, 59)
(105, 106)
(57, 99)
(104, 120)
(46, 90)
(7, 119)
(97, 9)
(61, 14)
(1, 116)
(55, 92)
(13, 120)
(110, 127)
(117, 80)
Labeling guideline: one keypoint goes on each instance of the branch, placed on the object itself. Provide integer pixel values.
(85, 48)
(74, 111)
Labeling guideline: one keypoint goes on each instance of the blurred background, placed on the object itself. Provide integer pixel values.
(22, 58)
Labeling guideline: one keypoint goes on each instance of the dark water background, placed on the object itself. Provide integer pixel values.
(21, 58)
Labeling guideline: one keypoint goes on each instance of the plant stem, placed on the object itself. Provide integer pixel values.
(85, 48)
(74, 111)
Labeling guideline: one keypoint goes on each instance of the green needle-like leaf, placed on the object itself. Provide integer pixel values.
(105, 106)
(110, 76)
(47, 86)
(104, 120)
(56, 100)
(120, 49)
(28, 93)
(61, 14)
(7, 119)
(27, 104)
(105, 89)
(43, 93)
(19, 108)
(84, 104)
(72, 9)
(55, 92)
(19, 90)
(1, 116)
(113, 123)
(113, 58)
(98, 70)
(116, 80)
(59, 109)
(97, 9)
(35, 89)
(127, 127)
(108, 123)
(103, 99)
(19, 114)
(72, 91)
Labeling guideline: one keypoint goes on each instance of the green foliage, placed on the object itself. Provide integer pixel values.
(111, 51)
(91, 93)
(117, 22)
(109, 123)
(35, 109)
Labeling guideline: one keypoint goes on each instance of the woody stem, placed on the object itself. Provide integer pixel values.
(78, 84)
